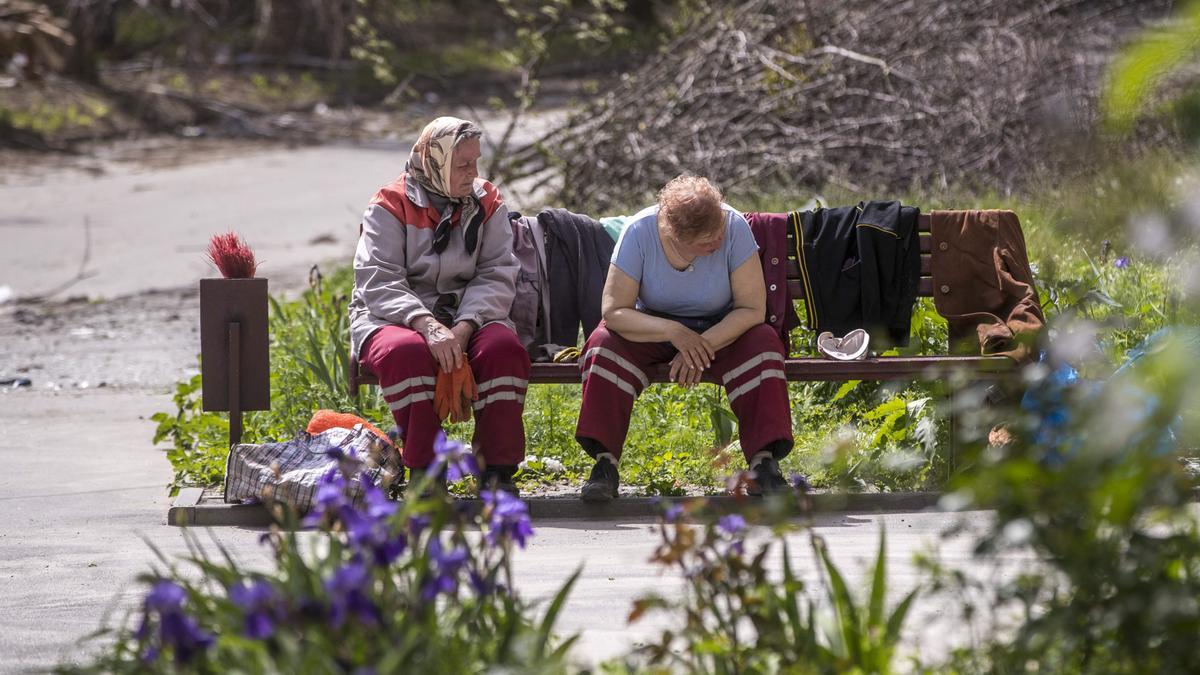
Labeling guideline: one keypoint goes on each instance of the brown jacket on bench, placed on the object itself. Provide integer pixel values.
(982, 282)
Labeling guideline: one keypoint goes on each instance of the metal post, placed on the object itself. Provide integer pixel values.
(235, 383)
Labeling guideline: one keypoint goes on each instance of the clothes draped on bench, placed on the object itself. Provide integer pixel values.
(860, 266)
(983, 283)
(578, 250)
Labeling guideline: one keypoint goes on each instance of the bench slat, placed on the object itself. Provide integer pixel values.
(810, 369)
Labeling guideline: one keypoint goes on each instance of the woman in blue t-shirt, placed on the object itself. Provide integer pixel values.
(686, 288)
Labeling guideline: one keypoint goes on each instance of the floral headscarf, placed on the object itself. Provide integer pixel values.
(429, 164)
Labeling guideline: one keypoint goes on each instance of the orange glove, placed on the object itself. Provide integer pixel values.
(442, 394)
(464, 394)
(454, 394)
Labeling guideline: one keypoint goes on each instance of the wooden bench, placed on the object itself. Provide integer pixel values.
(803, 369)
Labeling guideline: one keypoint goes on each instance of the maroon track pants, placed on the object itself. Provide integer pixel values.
(751, 369)
(407, 376)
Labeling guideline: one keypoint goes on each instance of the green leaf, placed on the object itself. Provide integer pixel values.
(878, 583)
(843, 603)
(545, 630)
(845, 389)
(896, 620)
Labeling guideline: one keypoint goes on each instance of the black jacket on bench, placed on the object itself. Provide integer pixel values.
(860, 267)
(578, 251)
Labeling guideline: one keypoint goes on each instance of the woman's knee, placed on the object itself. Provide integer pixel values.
(499, 342)
(603, 337)
(392, 345)
(763, 336)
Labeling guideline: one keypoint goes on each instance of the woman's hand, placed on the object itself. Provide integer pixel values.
(443, 344)
(696, 351)
(463, 330)
(685, 375)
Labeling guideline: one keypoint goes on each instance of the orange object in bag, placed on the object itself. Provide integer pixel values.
(329, 419)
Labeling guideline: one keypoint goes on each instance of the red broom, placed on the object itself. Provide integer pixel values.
(232, 256)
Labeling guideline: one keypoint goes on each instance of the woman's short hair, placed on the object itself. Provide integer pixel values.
(691, 206)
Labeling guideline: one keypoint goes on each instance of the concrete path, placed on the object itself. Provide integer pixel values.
(82, 500)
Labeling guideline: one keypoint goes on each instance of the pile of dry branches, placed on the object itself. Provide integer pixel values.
(30, 32)
(872, 96)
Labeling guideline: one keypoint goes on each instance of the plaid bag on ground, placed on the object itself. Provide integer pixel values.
(288, 472)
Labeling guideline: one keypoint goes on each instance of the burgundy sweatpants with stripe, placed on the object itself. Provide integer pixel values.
(751, 369)
(407, 376)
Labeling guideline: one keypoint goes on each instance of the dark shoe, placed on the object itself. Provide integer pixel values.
(767, 479)
(499, 478)
(602, 485)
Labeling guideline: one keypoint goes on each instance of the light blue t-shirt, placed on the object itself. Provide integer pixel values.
(702, 291)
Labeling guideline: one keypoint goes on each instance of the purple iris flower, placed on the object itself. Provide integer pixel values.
(348, 462)
(347, 594)
(331, 497)
(175, 628)
(379, 507)
(800, 482)
(417, 524)
(673, 513)
(1121, 263)
(509, 518)
(258, 601)
(457, 458)
(446, 566)
(733, 525)
(482, 586)
(372, 536)
(165, 597)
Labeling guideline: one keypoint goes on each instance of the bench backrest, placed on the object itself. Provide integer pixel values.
(925, 289)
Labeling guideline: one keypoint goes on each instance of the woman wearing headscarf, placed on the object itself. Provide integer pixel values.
(434, 279)
(685, 287)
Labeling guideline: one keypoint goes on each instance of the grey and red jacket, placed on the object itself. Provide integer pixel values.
(398, 277)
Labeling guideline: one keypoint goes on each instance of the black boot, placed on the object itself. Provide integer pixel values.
(767, 478)
(602, 484)
(499, 478)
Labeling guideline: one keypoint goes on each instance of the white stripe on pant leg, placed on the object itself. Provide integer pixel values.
(500, 396)
(750, 384)
(620, 361)
(500, 382)
(611, 377)
(750, 363)
(410, 399)
(407, 384)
